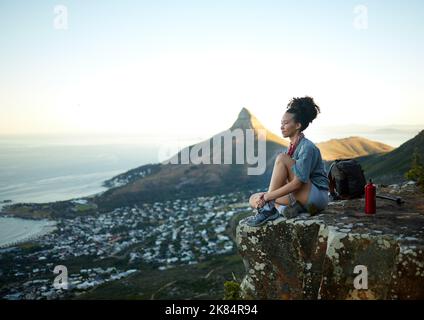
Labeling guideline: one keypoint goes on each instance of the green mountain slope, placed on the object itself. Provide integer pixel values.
(391, 167)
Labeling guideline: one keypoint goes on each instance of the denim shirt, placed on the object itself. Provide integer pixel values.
(309, 164)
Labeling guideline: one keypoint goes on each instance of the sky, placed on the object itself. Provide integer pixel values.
(186, 68)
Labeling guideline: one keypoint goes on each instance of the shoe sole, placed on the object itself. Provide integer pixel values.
(273, 217)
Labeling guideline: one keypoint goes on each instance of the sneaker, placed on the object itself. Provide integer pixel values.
(292, 211)
(263, 216)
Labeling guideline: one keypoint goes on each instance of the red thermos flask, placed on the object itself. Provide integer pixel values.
(370, 198)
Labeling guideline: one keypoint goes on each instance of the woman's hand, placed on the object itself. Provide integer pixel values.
(259, 202)
(262, 199)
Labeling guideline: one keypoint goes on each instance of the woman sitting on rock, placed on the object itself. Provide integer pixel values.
(299, 182)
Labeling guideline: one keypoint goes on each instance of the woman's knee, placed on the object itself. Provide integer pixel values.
(284, 159)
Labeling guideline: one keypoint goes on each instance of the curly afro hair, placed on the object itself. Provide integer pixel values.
(304, 109)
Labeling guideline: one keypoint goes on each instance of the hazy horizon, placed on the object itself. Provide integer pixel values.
(393, 135)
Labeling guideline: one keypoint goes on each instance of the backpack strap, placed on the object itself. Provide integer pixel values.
(332, 183)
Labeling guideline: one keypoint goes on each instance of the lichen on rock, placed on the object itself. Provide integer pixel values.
(314, 257)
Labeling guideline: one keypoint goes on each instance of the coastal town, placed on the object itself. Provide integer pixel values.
(110, 246)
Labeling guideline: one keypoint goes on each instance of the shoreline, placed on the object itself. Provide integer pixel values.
(37, 231)
(12, 203)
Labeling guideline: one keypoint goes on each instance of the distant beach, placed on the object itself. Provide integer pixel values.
(15, 230)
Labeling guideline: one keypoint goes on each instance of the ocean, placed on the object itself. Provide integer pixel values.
(15, 230)
(43, 169)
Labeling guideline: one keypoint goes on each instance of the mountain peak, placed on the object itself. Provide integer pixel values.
(246, 120)
(244, 114)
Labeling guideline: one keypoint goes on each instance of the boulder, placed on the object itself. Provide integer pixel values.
(341, 253)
